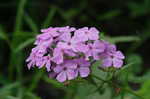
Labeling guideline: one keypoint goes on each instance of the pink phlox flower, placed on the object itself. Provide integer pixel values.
(83, 67)
(86, 33)
(71, 43)
(112, 57)
(65, 71)
(94, 49)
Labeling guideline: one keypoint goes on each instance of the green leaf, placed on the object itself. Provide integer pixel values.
(124, 68)
(122, 39)
(137, 62)
(11, 97)
(139, 79)
(19, 16)
(49, 18)
(109, 15)
(29, 95)
(53, 82)
(144, 91)
(98, 95)
(36, 78)
(4, 36)
(3, 80)
(24, 44)
(9, 87)
(139, 9)
(31, 23)
(84, 89)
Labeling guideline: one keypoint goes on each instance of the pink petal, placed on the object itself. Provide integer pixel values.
(81, 47)
(58, 69)
(83, 63)
(70, 74)
(57, 56)
(76, 72)
(70, 65)
(46, 29)
(66, 37)
(63, 45)
(70, 53)
(93, 35)
(119, 55)
(88, 54)
(96, 56)
(54, 33)
(111, 48)
(48, 65)
(117, 62)
(107, 62)
(84, 71)
(61, 77)
(80, 35)
(99, 46)
(30, 65)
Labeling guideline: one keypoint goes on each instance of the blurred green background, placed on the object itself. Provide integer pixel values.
(123, 22)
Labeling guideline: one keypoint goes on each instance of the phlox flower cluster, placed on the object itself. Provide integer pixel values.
(67, 52)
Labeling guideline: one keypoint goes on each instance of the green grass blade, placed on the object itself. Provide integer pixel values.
(24, 44)
(49, 17)
(19, 16)
(18, 25)
(53, 82)
(36, 78)
(122, 39)
(31, 23)
(9, 87)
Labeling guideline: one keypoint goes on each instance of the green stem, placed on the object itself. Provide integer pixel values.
(125, 89)
(99, 78)
(19, 16)
(14, 42)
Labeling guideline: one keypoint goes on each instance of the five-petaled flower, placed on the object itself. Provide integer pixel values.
(67, 52)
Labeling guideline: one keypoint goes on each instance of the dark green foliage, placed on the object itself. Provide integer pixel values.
(125, 23)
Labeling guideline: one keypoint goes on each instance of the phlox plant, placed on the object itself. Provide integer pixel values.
(68, 52)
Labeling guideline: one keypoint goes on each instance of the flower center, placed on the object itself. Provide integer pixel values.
(65, 68)
(86, 32)
(90, 47)
(69, 43)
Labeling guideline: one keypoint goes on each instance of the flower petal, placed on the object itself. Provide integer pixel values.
(119, 55)
(81, 47)
(48, 65)
(70, 53)
(111, 48)
(98, 46)
(70, 64)
(70, 74)
(61, 77)
(63, 45)
(117, 62)
(80, 34)
(76, 72)
(107, 62)
(96, 56)
(83, 63)
(84, 71)
(93, 35)
(57, 56)
(58, 69)
(65, 37)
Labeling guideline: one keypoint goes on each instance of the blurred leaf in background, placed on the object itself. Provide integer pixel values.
(118, 21)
